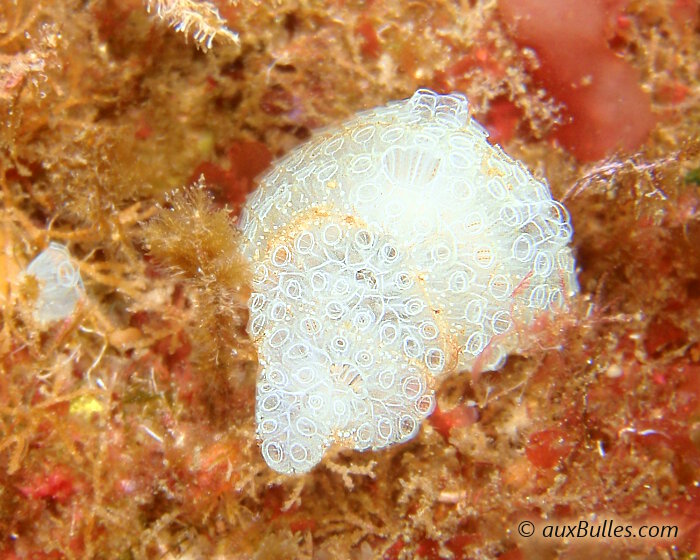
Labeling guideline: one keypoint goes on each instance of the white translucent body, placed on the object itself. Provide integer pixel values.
(387, 253)
(60, 285)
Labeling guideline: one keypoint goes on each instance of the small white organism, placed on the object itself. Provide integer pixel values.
(201, 18)
(386, 254)
(60, 285)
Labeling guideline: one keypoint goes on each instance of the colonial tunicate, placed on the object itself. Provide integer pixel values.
(387, 253)
(60, 285)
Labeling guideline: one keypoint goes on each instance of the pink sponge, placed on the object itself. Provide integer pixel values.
(606, 108)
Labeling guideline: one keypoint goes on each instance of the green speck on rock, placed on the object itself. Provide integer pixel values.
(693, 176)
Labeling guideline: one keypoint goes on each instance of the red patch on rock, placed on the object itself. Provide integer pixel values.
(246, 161)
(547, 448)
(502, 120)
(606, 108)
(371, 47)
(460, 416)
(661, 335)
(58, 484)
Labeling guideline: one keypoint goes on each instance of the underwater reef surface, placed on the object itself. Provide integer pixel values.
(131, 134)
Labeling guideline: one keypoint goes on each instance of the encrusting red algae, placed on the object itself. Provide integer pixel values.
(128, 426)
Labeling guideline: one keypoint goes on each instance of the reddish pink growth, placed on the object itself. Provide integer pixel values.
(460, 416)
(394, 550)
(246, 161)
(546, 449)
(674, 92)
(606, 108)
(662, 334)
(623, 21)
(302, 525)
(502, 120)
(512, 554)
(684, 512)
(144, 131)
(480, 58)
(685, 13)
(371, 47)
(457, 544)
(428, 549)
(57, 485)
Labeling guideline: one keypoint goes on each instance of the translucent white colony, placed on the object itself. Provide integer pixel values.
(387, 253)
(60, 285)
